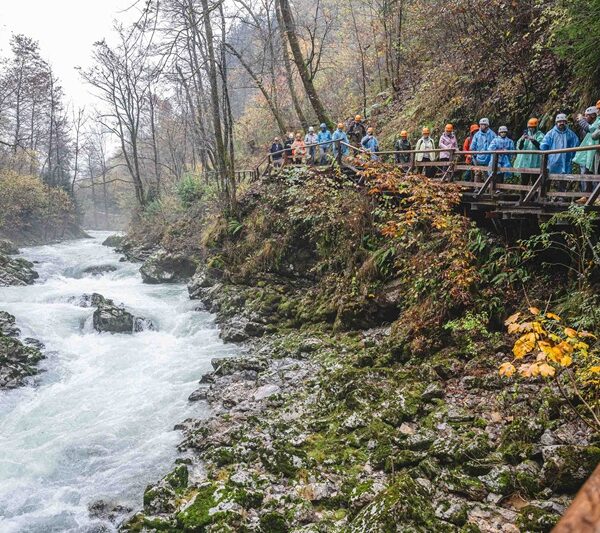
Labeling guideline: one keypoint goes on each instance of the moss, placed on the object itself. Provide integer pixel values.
(273, 522)
(522, 429)
(459, 483)
(517, 451)
(405, 502)
(196, 516)
(178, 478)
(534, 519)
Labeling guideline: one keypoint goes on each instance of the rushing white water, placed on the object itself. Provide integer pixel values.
(97, 423)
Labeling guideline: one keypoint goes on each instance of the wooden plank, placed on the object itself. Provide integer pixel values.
(568, 194)
(586, 178)
(485, 185)
(512, 187)
(583, 515)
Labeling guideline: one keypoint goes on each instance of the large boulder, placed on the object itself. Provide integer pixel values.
(112, 318)
(163, 267)
(567, 467)
(17, 360)
(16, 271)
(113, 241)
(203, 278)
(99, 270)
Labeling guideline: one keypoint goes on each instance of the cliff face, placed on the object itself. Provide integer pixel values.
(369, 399)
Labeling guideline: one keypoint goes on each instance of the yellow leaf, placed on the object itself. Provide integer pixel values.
(547, 370)
(513, 328)
(541, 356)
(595, 369)
(537, 327)
(552, 316)
(570, 332)
(526, 326)
(565, 347)
(534, 310)
(506, 369)
(587, 334)
(512, 318)
(566, 360)
(545, 346)
(524, 345)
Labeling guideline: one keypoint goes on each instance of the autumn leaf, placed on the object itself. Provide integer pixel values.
(528, 371)
(587, 334)
(524, 345)
(552, 316)
(512, 319)
(570, 332)
(507, 369)
(513, 328)
(566, 360)
(534, 310)
(595, 369)
(547, 370)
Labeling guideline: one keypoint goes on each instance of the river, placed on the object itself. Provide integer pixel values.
(97, 423)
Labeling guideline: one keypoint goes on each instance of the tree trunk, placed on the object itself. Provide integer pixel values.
(288, 20)
(288, 71)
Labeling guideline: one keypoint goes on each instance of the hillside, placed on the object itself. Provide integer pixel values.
(370, 399)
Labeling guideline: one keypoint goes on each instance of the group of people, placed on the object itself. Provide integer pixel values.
(317, 148)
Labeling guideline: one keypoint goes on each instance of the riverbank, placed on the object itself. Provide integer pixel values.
(368, 399)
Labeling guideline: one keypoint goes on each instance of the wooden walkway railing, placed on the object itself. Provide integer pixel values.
(545, 194)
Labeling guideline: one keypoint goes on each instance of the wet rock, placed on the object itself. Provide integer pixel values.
(163, 267)
(16, 271)
(34, 343)
(104, 510)
(17, 360)
(198, 394)
(99, 270)
(112, 318)
(7, 247)
(239, 329)
(566, 468)
(113, 241)
(225, 366)
(203, 278)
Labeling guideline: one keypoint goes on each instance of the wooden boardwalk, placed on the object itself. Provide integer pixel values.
(542, 195)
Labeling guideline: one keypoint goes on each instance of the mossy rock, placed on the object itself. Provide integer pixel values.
(501, 480)
(273, 522)
(196, 517)
(459, 483)
(456, 448)
(522, 429)
(533, 519)
(404, 503)
(516, 452)
(566, 468)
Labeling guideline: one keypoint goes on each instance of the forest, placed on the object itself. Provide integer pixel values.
(385, 358)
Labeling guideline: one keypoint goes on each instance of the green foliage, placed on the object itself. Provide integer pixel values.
(190, 189)
(577, 39)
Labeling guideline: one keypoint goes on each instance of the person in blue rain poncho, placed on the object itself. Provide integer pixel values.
(560, 137)
(324, 136)
(370, 143)
(504, 143)
(340, 135)
(481, 142)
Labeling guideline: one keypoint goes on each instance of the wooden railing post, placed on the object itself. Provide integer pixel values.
(495, 160)
(543, 176)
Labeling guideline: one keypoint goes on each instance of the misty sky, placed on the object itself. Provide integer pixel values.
(66, 30)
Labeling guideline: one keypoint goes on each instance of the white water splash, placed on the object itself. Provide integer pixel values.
(97, 424)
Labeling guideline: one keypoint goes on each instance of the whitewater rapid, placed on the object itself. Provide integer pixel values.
(97, 423)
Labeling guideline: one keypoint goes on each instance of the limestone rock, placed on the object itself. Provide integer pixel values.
(163, 267)
(112, 318)
(16, 271)
(113, 241)
(7, 247)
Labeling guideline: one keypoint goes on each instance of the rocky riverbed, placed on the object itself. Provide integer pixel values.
(313, 430)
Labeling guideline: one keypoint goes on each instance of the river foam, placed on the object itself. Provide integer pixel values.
(97, 422)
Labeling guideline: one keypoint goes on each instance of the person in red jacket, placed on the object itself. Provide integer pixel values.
(466, 147)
